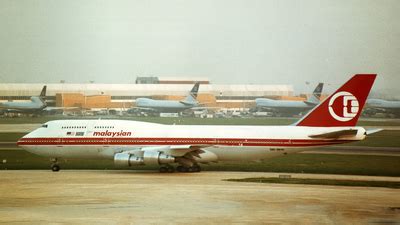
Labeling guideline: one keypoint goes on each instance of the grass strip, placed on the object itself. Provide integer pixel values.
(296, 163)
(352, 183)
(11, 137)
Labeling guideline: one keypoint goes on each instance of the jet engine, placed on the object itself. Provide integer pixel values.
(148, 158)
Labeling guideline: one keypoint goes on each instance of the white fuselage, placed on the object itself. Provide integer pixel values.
(104, 138)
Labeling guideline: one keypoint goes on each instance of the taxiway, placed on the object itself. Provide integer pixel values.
(137, 197)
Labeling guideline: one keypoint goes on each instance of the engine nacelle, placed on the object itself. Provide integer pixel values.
(156, 158)
(125, 159)
(206, 157)
(148, 158)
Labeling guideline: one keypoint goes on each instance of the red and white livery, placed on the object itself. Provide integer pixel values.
(131, 143)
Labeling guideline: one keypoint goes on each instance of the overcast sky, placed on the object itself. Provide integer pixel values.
(228, 41)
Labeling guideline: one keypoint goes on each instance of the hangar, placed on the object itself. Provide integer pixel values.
(97, 95)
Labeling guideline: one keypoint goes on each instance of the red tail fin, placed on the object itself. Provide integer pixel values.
(342, 108)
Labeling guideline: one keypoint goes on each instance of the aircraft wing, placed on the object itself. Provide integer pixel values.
(181, 150)
(172, 150)
(271, 109)
(11, 110)
(144, 109)
(204, 107)
(184, 154)
(23, 111)
(336, 134)
(58, 108)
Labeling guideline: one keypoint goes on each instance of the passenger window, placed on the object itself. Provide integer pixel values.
(45, 125)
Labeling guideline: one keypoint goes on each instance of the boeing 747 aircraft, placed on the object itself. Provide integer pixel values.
(131, 143)
(35, 106)
(290, 108)
(170, 106)
(375, 106)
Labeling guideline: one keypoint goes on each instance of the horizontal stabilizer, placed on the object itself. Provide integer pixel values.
(312, 103)
(189, 102)
(372, 131)
(335, 134)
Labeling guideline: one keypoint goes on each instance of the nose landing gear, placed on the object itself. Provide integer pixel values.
(54, 166)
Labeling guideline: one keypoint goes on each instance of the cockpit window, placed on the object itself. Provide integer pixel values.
(45, 125)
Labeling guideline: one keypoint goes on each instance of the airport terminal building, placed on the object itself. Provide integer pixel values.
(94, 95)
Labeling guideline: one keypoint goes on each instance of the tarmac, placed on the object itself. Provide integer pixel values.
(138, 197)
(354, 150)
(19, 128)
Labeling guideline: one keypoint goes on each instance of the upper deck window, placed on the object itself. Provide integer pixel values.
(45, 125)
(103, 127)
(73, 127)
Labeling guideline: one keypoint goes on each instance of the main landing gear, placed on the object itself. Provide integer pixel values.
(54, 166)
(193, 169)
(182, 169)
(167, 169)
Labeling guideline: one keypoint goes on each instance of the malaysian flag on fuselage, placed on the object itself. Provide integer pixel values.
(79, 133)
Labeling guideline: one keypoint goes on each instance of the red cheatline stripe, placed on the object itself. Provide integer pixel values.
(177, 141)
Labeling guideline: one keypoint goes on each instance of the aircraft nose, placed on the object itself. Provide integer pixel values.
(140, 101)
(23, 141)
(20, 142)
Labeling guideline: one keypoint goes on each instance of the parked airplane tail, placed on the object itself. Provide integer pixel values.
(195, 89)
(343, 107)
(43, 92)
(314, 99)
(318, 90)
(191, 98)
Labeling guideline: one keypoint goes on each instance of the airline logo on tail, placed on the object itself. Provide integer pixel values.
(347, 104)
(343, 107)
(195, 89)
(191, 98)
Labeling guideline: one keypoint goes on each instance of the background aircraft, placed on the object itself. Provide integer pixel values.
(169, 106)
(35, 106)
(287, 107)
(375, 106)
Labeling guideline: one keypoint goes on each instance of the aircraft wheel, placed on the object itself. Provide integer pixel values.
(196, 168)
(179, 168)
(183, 169)
(55, 168)
(163, 169)
(170, 169)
